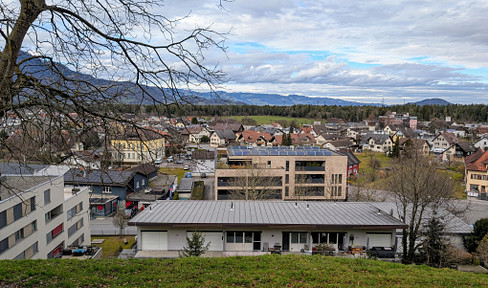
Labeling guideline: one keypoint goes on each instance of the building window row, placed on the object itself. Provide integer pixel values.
(16, 212)
(49, 216)
(18, 236)
(75, 227)
(54, 233)
(478, 177)
(336, 178)
(75, 210)
(29, 252)
(336, 191)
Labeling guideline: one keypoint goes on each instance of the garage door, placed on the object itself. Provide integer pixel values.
(379, 240)
(216, 240)
(154, 240)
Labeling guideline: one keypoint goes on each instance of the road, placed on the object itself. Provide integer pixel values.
(104, 226)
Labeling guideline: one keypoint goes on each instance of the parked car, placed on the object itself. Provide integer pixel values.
(170, 159)
(158, 161)
(187, 174)
(186, 167)
(179, 162)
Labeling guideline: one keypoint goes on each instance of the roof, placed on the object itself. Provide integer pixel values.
(466, 147)
(98, 177)
(226, 134)
(250, 136)
(453, 224)
(145, 169)
(20, 169)
(377, 138)
(234, 126)
(15, 185)
(450, 138)
(280, 151)
(186, 184)
(477, 161)
(351, 158)
(203, 155)
(272, 214)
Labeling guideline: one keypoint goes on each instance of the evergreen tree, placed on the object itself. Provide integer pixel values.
(195, 245)
(395, 153)
(434, 246)
(194, 120)
(480, 229)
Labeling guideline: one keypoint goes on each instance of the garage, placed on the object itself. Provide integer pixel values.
(216, 240)
(154, 240)
(379, 240)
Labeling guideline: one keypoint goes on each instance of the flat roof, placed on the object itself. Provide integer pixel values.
(280, 151)
(290, 214)
(14, 185)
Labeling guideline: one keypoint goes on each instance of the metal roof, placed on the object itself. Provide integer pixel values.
(301, 214)
(98, 177)
(279, 151)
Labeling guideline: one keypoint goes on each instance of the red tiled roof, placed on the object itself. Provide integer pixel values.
(477, 161)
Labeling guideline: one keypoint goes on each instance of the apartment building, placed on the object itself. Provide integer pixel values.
(38, 218)
(286, 173)
(138, 147)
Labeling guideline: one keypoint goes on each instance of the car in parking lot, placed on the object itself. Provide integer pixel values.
(158, 161)
(186, 167)
(179, 162)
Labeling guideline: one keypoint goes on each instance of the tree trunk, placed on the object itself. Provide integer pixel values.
(29, 11)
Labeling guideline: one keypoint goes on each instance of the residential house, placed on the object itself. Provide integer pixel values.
(248, 227)
(482, 143)
(195, 133)
(377, 142)
(448, 147)
(477, 173)
(287, 173)
(420, 144)
(204, 162)
(352, 162)
(254, 138)
(234, 126)
(109, 189)
(138, 146)
(339, 145)
(222, 138)
(39, 218)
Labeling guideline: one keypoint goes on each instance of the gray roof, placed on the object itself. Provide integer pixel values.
(280, 151)
(454, 225)
(15, 185)
(186, 185)
(20, 169)
(301, 214)
(98, 177)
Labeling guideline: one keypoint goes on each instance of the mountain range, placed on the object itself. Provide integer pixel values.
(135, 94)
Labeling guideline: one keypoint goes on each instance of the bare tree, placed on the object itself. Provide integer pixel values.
(119, 221)
(252, 183)
(121, 51)
(418, 187)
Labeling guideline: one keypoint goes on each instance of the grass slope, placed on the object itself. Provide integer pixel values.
(266, 271)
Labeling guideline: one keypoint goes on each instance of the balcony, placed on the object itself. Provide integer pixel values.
(310, 168)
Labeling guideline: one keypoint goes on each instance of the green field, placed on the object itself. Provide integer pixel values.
(272, 119)
(112, 244)
(262, 271)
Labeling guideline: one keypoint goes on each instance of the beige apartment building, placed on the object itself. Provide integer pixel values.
(477, 172)
(39, 219)
(286, 173)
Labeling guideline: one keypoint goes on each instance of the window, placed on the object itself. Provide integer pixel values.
(143, 182)
(47, 196)
(3, 219)
(107, 189)
(269, 165)
(54, 213)
(287, 165)
(137, 185)
(71, 212)
(34, 226)
(19, 235)
(17, 211)
(287, 178)
(3, 245)
(33, 203)
(298, 237)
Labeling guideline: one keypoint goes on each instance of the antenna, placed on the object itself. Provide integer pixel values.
(296, 205)
(231, 206)
(308, 206)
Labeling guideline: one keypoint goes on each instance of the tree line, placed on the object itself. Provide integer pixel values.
(457, 112)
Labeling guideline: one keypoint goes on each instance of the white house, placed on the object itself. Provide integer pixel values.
(257, 227)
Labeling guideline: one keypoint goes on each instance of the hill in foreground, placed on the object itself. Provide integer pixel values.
(268, 271)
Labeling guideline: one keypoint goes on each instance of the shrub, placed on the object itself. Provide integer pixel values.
(458, 256)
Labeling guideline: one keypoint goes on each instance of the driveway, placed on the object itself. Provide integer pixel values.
(104, 226)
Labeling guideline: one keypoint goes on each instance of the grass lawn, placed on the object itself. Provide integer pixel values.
(272, 119)
(179, 172)
(262, 271)
(110, 247)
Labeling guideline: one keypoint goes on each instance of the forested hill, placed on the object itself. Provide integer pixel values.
(457, 112)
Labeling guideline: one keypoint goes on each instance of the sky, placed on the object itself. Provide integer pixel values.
(367, 51)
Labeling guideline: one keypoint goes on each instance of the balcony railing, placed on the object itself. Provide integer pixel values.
(310, 168)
